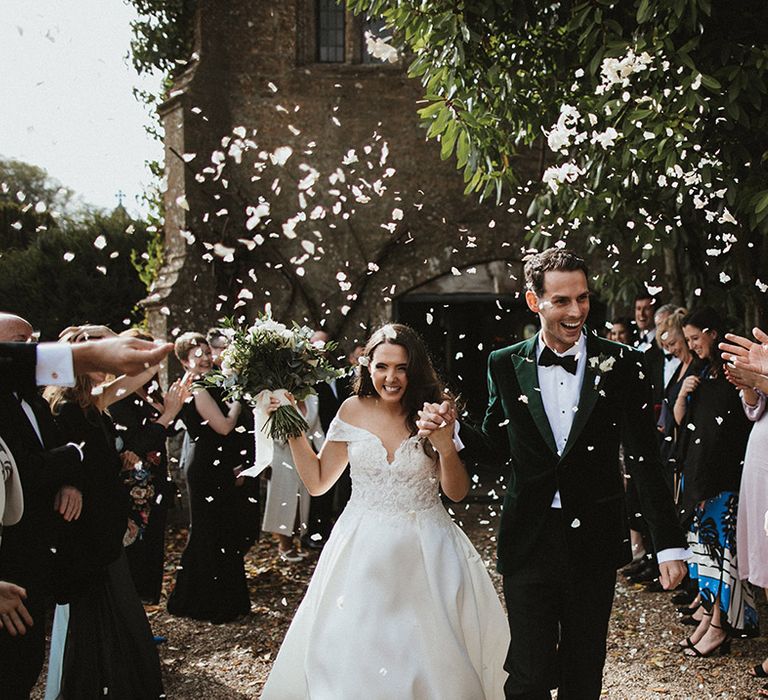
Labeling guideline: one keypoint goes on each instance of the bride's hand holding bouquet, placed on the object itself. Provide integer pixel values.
(267, 365)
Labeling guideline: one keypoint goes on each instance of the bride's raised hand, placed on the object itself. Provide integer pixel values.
(433, 416)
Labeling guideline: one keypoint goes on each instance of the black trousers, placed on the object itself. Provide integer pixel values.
(558, 613)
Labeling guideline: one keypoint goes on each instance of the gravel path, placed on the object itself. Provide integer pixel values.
(218, 662)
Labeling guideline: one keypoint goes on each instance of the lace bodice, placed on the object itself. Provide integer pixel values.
(406, 485)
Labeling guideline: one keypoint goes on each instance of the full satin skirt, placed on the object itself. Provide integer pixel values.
(400, 606)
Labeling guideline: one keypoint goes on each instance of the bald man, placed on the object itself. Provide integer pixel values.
(49, 472)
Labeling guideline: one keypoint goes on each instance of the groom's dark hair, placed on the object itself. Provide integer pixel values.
(550, 260)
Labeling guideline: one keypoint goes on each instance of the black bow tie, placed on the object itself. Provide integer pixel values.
(669, 356)
(547, 358)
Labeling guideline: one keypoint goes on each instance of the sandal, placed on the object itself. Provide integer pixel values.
(758, 671)
(289, 555)
(722, 649)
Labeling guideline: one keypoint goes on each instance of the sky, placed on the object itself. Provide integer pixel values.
(66, 101)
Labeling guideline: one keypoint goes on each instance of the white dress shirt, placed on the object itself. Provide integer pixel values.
(671, 365)
(646, 340)
(560, 391)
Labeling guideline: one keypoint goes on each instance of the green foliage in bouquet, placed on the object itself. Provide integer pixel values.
(269, 356)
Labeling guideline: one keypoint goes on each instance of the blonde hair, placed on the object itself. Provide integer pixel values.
(672, 324)
(82, 392)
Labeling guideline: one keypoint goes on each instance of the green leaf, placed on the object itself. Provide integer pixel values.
(709, 82)
(762, 203)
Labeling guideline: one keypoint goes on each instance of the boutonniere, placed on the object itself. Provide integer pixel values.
(601, 365)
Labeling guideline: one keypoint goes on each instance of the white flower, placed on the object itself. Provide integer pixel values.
(607, 139)
(379, 48)
(554, 176)
(389, 332)
(363, 361)
(607, 364)
(558, 139)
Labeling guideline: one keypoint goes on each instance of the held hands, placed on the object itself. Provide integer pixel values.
(746, 354)
(672, 573)
(436, 422)
(14, 616)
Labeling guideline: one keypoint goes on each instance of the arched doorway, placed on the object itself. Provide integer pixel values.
(463, 317)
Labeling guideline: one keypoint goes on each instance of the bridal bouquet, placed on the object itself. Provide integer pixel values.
(265, 360)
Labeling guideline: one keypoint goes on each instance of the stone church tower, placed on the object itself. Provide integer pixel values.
(298, 174)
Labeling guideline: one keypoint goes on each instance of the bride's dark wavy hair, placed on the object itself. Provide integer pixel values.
(424, 384)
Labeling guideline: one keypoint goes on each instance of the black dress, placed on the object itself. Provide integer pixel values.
(210, 583)
(109, 650)
(138, 432)
(668, 428)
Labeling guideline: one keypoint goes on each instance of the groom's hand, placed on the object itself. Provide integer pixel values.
(433, 416)
(671, 573)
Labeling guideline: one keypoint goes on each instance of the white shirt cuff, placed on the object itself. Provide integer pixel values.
(457, 443)
(676, 554)
(54, 365)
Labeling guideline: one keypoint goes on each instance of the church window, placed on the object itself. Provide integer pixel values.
(330, 32)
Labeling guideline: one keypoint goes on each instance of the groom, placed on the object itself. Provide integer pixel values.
(560, 405)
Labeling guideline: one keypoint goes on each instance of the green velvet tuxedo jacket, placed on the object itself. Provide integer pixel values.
(615, 408)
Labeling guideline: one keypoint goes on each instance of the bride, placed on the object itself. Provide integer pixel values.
(400, 604)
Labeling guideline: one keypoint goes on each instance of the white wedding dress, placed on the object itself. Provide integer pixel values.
(400, 606)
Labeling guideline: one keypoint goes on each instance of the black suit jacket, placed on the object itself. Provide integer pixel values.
(27, 552)
(654, 362)
(17, 367)
(614, 408)
(328, 404)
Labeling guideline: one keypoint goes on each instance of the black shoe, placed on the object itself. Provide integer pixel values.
(687, 609)
(690, 621)
(683, 598)
(634, 567)
(309, 543)
(649, 572)
(654, 586)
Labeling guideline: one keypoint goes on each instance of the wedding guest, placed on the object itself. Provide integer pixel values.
(144, 420)
(713, 440)
(753, 496)
(287, 507)
(323, 510)
(218, 341)
(400, 604)
(210, 581)
(49, 472)
(645, 305)
(101, 637)
(666, 369)
(621, 331)
(670, 334)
